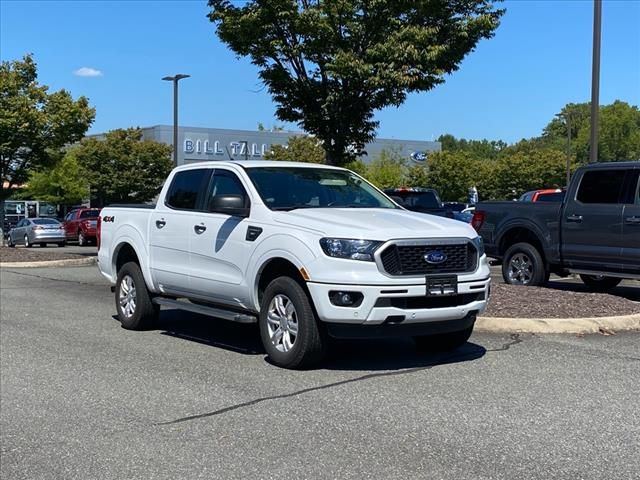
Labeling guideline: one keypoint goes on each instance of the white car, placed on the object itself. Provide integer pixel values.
(304, 250)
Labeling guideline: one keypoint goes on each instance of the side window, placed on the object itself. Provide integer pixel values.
(186, 187)
(69, 217)
(225, 183)
(601, 186)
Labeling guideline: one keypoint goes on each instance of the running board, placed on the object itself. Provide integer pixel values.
(211, 311)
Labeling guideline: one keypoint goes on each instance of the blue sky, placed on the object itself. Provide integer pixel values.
(509, 88)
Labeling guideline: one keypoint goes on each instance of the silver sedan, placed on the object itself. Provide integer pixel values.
(30, 231)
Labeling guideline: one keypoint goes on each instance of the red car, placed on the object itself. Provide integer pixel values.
(543, 195)
(80, 224)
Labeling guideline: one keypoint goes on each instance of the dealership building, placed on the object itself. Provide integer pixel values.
(201, 144)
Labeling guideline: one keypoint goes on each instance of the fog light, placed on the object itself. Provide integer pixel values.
(345, 299)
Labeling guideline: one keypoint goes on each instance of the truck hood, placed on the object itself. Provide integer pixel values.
(374, 223)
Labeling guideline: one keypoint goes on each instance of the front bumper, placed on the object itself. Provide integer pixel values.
(400, 304)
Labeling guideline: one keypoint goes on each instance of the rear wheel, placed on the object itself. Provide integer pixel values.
(599, 283)
(443, 342)
(135, 309)
(288, 325)
(27, 243)
(62, 244)
(523, 265)
(42, 245)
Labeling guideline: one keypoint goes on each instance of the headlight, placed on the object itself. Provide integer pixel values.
(479, 244)
(352, 249)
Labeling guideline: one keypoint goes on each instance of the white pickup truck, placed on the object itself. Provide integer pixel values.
(304, 250)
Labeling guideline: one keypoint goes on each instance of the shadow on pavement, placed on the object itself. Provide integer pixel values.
(353, 355)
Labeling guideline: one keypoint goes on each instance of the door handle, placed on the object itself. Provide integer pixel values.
(199, 228)
(574, 218)
(632, 220)
(160, 223)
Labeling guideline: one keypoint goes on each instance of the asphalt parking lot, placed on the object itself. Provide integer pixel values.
(195, 398)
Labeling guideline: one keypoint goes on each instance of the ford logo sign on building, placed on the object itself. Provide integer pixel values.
(435, 258)
(418, 156)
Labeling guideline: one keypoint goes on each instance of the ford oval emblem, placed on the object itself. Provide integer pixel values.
(435, 257)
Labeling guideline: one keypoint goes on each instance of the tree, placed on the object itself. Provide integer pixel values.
(65, 183)
(34, 124)
(387, 170)
(300, 148)
(486, 149)
(123, 168)
(451, 174)
(330, 65)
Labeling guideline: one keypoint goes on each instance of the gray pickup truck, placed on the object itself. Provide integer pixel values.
(593, 232)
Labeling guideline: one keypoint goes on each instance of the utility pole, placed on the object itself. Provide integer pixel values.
(175, 79)
(595, 81)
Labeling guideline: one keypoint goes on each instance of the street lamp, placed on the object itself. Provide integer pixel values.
(595, 80)
(175, 80)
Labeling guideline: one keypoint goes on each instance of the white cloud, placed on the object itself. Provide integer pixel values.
(87, 72)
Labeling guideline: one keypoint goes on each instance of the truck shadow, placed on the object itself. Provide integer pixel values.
(354, 355)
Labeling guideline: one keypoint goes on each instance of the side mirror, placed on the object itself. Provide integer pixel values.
(234, 205)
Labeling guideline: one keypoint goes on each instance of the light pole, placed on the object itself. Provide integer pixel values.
(175, 80)
(595, 80)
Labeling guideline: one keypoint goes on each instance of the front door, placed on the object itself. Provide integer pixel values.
(170, 230)
(592, 221)
(631, 226)
(220, 250)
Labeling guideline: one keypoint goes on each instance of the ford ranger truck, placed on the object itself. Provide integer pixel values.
(306, 251)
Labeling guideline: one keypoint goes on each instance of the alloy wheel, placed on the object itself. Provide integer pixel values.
(127, 296)
(282, 323)
(520, 269)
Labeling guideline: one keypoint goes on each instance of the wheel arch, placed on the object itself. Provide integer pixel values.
(272, 268)
(518, 234)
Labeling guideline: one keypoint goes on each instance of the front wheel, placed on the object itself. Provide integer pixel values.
(27, 243)
(523, 265)
(288, 325)
(135, 309)
(443, 342)
(10, 242)
(600, 283)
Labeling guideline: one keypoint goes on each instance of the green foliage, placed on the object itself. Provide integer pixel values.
(449, 173)
(34, 124)
(330, 65)
(357, 166)
(64, 183)
(122, 168)
(300, 148)
(486, 149)
(618, 136)
(387, 170)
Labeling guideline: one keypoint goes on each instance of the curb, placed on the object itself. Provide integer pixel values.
(72, 262)
(558, 325)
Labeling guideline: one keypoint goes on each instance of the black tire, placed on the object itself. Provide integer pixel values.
(598, 283)
(144, 312)
(82, 240)
(43, 245)
(62, 244)
(307, 348)
(26, 242)
(443, 342)
(10, 242)
(523, 265)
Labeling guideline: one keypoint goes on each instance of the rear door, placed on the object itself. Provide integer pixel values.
(592, 221)
(171, 228)
(631, 225)
(70, 229)
(220, 247)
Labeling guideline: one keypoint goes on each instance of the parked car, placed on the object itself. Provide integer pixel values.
(30, 231)
(303, 250)
(80, 224)
(544, 195)
(594, 231)
(423, 200)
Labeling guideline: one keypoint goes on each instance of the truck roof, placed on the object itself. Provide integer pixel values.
(255, 163)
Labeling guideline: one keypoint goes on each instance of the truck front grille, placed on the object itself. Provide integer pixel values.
(399, 259)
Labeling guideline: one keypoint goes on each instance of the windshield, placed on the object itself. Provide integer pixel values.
(288, 188)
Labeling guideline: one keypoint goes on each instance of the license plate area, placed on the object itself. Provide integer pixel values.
(442, 285)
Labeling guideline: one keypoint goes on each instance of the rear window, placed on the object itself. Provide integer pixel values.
(601, 186)
(45, 221)
(551, 197)
(185, 188)
(89, 214)
(419, 200)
